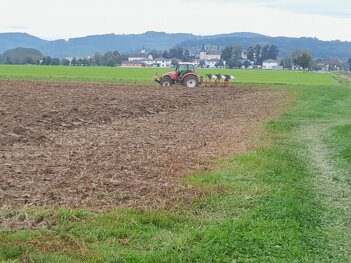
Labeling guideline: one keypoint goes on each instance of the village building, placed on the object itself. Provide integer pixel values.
(133, 64)
(208, 55)
(134, 57)
(214, 54)
(210, 59)
(271, 64)
(163, 62)
(212, 63)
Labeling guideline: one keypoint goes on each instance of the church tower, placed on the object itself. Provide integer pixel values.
(203, 53)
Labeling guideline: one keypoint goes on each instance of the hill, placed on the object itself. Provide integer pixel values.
(21, 56)
(318, 48)
(85, 46)
(14, 40)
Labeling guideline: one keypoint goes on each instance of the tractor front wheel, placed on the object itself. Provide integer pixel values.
(166, 82)
(191, 81)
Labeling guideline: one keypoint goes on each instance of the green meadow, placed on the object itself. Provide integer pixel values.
(144, 75)
(288, 200)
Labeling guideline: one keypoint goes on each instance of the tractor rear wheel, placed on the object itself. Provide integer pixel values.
(191, 81)
(166, 82)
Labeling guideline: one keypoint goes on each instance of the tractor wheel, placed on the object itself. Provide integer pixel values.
(166, 82)
(191, 81)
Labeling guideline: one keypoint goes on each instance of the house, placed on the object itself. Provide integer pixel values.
(197, 62)
(148, 62)
(163, 62)
(133, 64)
(271, 64)
(215, 54)
(212, 63)
(209, 59)
(140, 56)
(246, 64)
(134, 57)
(208, 55)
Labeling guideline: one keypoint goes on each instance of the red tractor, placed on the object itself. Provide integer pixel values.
(184, 74)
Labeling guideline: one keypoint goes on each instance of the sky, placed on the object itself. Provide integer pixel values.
(54, 19)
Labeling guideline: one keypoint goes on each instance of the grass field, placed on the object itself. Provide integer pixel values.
(287, 201)
(142, 75)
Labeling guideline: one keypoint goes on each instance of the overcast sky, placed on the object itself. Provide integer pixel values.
(53, 19)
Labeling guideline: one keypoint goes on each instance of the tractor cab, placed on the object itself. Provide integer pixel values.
(183, 68)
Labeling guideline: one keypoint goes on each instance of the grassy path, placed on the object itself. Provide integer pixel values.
(325, 135)
(332, 184)
(288, 201)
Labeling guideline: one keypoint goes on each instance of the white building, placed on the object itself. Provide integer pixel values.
(163, 62)
(140, 56)
(270, 64)
(210, 58)
(244, 54)
(212, 63)
(215, 54)
(148, 62)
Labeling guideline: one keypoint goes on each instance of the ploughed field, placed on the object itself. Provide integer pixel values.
(103, 145)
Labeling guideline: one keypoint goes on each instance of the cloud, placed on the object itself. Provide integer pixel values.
(51, 19)
(340, 8)
(336, 8)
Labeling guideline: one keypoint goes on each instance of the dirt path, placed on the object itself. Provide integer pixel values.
(100, 146)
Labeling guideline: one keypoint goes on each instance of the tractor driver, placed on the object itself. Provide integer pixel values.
(182, 70)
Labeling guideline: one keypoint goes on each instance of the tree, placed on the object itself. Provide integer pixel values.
(186, 56)
(98, 59)
(227, 53)
(257, 55)
(165, 54)
(237, 52)
(286, 62)
(110, 59)
(302, 59)
(111, 62)
(349, 63)
(29, 60)
(21, 56)
(220, 64)
(176, 52)
(74, 62)
(251, 54)
(246, 64)
(232, 55)
(234, 63)
(265, 53)
(46, 61)
(273, 52)
(155, 54)
(65, 62)
(55, 61)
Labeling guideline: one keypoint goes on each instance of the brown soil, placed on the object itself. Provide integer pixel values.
(100, 146)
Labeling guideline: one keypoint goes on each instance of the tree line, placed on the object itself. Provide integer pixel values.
(22, 56)
(234, 56)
